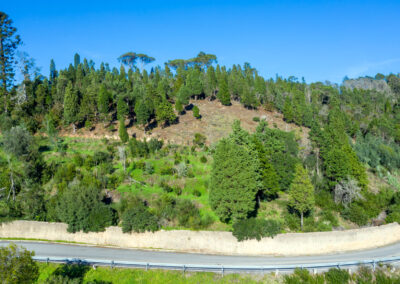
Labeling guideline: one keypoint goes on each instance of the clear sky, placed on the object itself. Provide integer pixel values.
(320, 40)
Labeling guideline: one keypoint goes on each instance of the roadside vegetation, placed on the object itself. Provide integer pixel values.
(16, 266)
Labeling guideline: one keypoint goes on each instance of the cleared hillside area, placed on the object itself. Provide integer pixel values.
(215, 123)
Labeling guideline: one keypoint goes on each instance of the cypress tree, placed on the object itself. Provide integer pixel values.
(233, 186)
(71, 105)
(53, 71)
(77, 60)
(102, 102)
(178, 106)
(301, 192)
(223, 93)
(165, 113)
(123, 134)
(196, 112)
(122, 108)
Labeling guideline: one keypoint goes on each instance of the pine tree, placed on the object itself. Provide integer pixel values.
(122, 108)
(165, 113)
(53, 71)
(123, 134)
(193, 82)
(301, 192)
(288, 110)
(142, 112)
(71, 105)
(196, 112)
(248, 98)
(223, 93)
(184, 95)
(77, 60)
(9, 43)
(103, 102)
(233, 186)
(178, 106)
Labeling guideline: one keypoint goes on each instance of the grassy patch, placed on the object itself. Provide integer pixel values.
(127, 276)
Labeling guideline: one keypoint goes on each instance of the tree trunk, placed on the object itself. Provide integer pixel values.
(301, 220)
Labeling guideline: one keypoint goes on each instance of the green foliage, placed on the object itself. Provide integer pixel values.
(82, 209)
(123, 134)
(253, 228)
(139, 219)
(301, 192)
(337, 276)
(377, 152)
(165, 113)
(17, 265)
(71, 104)
(223, 93)
(233, 186)
(196, 112)
(18, 142)
(199, 139)
(303, 276)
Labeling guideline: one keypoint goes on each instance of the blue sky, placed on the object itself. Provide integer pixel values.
(320, 40)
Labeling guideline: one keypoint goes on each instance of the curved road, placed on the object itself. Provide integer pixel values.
(56, 250)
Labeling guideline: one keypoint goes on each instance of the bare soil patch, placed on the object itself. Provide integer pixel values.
(215, 123)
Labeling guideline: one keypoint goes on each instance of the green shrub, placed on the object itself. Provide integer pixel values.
(303, 276)
(203, 159)
(364, 275)
(78, 159)
(167, 170)
(139, 219)
(154, 145)
(356, 214)
(149, 168)
(196, 112)
(196, 193)
(292, 221)
(199, 139)
(253, 228)
(337, 276)
(256, 119)
(82, 209)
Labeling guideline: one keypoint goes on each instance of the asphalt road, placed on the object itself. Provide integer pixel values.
(56, 250)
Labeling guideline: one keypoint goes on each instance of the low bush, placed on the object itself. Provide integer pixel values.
(337, 276)
(356, 214)
(139, 219)
(253, 228)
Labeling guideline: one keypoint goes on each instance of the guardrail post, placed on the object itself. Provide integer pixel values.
(373, 265)
(147, 266)
(276, 272)
(314, 271)
(222, 271)
(183, 269)
(47, 260)
(112, 263)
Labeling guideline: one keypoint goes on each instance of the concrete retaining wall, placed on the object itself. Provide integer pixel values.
(213, 242)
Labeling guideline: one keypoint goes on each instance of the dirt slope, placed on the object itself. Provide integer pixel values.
(215, 123)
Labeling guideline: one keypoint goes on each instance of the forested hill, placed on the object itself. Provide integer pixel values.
(263, 179)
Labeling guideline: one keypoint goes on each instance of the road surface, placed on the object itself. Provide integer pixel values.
(57, 250)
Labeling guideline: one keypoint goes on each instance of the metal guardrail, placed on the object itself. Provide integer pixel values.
(222, 268)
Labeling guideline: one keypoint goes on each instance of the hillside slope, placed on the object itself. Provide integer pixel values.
(215, 123)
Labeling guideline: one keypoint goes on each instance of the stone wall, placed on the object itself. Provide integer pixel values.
(212, 242)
